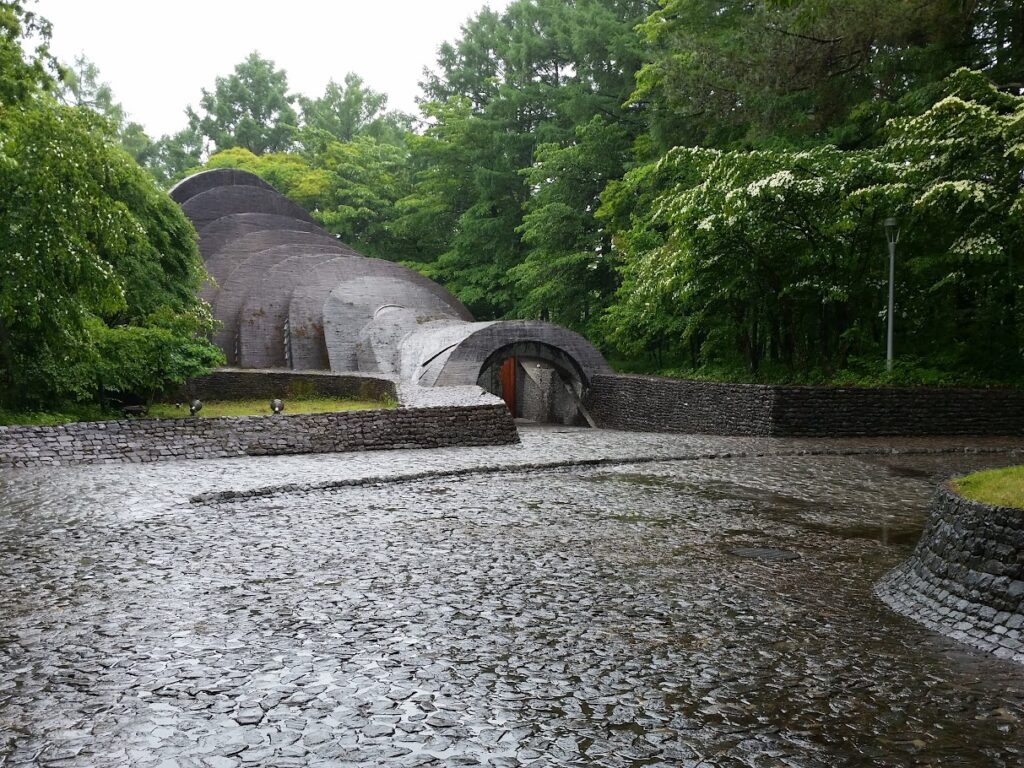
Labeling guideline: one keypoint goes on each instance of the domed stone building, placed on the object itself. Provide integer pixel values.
(289, 295)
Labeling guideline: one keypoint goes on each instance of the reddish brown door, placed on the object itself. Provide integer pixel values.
(507, 377)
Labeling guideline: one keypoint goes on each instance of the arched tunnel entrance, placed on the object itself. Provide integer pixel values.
(538, 382)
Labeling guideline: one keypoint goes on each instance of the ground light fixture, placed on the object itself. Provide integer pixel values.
(276, 405)
(892, 236)
(195, 407)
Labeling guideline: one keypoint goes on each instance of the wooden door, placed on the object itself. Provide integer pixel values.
(507, 378)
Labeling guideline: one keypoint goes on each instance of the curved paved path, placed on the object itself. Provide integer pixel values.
(578, 600)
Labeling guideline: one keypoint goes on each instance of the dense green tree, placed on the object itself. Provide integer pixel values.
(91, 245)
(568, 274)
(747, 259)
(250, 108)
(368, 177)
(440, 163)
(349, 110)
(512, 83)
(23, 75)
(350, 187)
(175, 156)
(736, 73)
(96, 259)
(82, 87)
(289, 173)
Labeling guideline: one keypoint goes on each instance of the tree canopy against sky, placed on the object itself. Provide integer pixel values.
(564, 151)
(96, 256)
(250, 108)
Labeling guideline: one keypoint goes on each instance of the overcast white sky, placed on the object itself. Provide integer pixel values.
(157, 56)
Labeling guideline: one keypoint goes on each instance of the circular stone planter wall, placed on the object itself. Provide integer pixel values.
(965, 579)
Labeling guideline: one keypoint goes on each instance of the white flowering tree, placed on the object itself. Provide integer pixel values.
(93, 255)
(777, 258)
(98, 267)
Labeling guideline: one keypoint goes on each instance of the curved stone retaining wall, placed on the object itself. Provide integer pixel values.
(965, 579)
(652, 403)
(142, 440)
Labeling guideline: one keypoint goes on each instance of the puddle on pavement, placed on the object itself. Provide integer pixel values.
(779, 508)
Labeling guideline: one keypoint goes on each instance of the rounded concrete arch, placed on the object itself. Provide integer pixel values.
(210, 205)
(222, 264)
(216, 177)
(464, 363)
(262, 341)
(306, 310)
(532, 350)
(378, 348)
(235, 289)
(223, 231)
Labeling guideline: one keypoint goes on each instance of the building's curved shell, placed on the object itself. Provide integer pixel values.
(289, 294)
(224, 231)
(206, 207)
(218, 177)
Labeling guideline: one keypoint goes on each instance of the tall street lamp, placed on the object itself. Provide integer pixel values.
(892, 235)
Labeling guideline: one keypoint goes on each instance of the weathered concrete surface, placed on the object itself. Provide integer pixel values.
(281, 302)
(207, 180)
(357, 302)
(222, 232)
(454, 354)
(262, 320)
(464, 363)
(225, 262)
(581, 616)
(241, 287)
(212, 204)
(309, 300)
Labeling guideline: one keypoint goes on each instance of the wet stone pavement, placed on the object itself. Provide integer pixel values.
(621, 613)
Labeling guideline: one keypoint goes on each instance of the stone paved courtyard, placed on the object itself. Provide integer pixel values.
(576, 600)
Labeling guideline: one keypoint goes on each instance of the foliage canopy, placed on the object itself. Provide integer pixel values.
(697, 186)
(100, 268)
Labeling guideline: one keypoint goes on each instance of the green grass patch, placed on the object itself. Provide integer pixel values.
(215, 408)
(71, 412)
(999, 487)
(65, 415)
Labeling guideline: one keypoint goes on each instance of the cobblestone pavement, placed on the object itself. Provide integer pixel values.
(656, 606)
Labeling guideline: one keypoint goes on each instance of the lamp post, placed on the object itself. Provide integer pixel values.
(892, 235)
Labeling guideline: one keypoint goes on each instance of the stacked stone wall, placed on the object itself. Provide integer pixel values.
(655, 404)
(651, 403)
(965, 579)
(911, 411)
(144, 440)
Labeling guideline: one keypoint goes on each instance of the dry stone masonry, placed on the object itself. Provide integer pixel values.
(145, 440)
(654, 404)
(965, 579)
(249, 384)
(672, 405)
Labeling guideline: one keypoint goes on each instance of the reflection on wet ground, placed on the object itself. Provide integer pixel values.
(574, 616)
